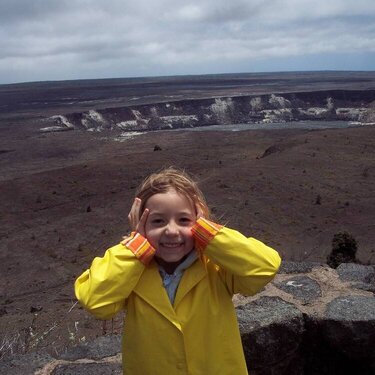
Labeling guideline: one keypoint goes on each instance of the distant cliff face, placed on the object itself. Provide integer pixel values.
(357, 106)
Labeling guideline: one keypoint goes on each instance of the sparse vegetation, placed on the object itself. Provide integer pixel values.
(344, 249)
(32, 337)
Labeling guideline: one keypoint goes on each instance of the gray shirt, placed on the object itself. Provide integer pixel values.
(171, 281)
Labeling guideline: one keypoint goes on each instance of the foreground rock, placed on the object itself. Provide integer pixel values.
(272, 332)
(307, 321)
(311, 323)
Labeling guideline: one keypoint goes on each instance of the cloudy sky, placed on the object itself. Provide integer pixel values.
(72, 39)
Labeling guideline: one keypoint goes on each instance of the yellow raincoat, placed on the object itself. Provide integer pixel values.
(199, 334)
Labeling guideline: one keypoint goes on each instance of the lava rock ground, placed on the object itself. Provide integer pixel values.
(65, 198)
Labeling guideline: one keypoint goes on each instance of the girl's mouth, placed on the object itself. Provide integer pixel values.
(171, 245)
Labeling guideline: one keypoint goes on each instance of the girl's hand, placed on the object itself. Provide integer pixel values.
(136, 222)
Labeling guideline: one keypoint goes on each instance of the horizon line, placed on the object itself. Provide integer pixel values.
(187, 75)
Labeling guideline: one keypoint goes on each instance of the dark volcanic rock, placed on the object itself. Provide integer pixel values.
(352, 308)
(344, 338)
(356, 272)
(297, 267)
(271, 150)
(362, 277)
(350, 327)
(365, 286)
(104, 346)
(89, 368)
(301, 287)
(271, 331)
(25, 364)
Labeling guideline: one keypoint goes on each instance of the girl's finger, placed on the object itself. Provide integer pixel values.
(136, 207)
(142, 222)
(124, 240)
(133, 216)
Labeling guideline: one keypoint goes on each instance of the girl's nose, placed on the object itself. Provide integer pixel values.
(171, 229)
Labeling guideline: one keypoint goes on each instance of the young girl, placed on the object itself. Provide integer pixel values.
(175, 276)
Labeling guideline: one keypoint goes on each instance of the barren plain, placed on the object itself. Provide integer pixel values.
(65, 196)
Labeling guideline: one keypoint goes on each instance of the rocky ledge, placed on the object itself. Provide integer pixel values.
(310, 320)
(357, 106)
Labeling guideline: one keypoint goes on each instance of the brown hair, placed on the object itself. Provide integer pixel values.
(172, 178)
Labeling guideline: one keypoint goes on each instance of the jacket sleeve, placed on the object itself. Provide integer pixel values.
(104, 287)
(246, 265)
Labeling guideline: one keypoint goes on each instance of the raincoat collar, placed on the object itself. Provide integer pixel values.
(150, 288)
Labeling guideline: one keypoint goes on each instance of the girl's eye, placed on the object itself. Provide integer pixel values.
(185, 220)
(157, 221)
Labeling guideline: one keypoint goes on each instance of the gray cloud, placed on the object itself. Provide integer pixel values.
(18, 11)
(60, 39)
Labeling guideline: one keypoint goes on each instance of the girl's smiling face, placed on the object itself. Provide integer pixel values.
(168, 226)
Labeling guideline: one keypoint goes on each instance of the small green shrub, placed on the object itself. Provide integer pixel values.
(344, 249)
